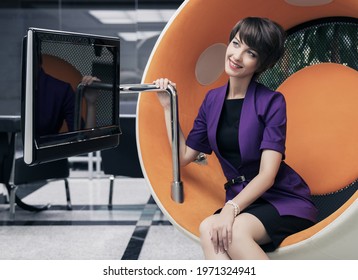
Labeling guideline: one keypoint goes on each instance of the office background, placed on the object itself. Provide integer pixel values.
(137, 22)
(134, 228)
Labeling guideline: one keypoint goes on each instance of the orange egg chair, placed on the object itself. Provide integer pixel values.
(320, 88)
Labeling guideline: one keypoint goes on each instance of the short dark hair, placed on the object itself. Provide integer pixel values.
(264, 36)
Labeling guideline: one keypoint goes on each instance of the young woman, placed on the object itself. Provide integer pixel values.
(244, 123)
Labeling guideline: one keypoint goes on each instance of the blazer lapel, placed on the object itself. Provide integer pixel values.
(220, 96)
(248, 124)
(246, 132)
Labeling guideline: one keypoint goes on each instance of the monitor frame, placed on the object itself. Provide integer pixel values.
(72, 143)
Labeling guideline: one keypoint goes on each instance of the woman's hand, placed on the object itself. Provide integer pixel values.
(186, 154)
(164, 97)
(87, 80)
(90, 94)
(221, 232)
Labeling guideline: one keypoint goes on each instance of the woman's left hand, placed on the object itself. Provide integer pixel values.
(221, 232)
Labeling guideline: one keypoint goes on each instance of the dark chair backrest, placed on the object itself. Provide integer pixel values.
(123, 160)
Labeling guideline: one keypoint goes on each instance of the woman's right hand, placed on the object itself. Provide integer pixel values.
(90, 94)
(164, 98)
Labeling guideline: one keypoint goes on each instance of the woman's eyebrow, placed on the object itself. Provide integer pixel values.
(245, 44)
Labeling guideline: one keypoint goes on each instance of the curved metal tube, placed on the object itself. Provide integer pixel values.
(177, 189)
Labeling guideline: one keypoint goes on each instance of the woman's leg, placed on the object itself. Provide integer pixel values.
(206, 243)
(248, 232)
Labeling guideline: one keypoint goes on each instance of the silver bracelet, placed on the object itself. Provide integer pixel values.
(236, 207)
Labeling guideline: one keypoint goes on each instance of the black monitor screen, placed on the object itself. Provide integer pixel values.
(68, 107)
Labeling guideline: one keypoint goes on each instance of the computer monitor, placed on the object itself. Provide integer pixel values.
(62, 117)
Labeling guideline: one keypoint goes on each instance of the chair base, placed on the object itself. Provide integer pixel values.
(15, 200)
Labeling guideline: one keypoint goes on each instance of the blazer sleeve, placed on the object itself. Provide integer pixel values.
(198, 136)
(275, 124)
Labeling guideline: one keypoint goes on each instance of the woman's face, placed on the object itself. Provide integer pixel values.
(240, 61)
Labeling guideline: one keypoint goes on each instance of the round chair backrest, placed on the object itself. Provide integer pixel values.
(322, 128)
(186, 53)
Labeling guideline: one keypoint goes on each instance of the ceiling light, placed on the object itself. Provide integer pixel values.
(137, 36)
(132, 16)
(115, 17)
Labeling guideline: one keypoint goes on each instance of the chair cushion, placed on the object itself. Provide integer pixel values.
(322, 125)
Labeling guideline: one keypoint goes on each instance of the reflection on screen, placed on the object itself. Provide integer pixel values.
(63, 106)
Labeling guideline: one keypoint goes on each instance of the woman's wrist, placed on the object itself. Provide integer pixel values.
(235, 207)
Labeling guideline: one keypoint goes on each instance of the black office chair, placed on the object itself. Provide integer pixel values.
(122, 160)
(14, 173)
(41, 174)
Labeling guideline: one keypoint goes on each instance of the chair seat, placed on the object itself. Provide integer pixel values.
(25, 174)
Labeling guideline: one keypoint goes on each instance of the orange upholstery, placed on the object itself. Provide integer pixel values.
(187, 36)
(322, 127)
(63, 70)
(322, 132)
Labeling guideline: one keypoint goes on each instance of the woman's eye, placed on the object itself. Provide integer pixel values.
(252, 53)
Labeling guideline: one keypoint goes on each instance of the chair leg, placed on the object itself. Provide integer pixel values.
(68, 195)
(15, 200)
(29, 207)
(111, 182)
(12, 199)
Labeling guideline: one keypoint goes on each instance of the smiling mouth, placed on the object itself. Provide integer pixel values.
(234, 65)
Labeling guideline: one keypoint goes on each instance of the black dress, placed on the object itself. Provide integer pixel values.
(277, 227)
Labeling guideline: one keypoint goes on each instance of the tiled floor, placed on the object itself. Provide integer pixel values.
(134, 229)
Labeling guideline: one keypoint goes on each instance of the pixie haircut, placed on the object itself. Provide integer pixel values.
(264, 36)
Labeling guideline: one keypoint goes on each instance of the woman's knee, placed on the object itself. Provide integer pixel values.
(205, 227)
(248, 227)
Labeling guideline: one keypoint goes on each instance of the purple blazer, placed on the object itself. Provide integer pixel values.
(262, 126)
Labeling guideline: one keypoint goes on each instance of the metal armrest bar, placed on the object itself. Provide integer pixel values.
(177, 189)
